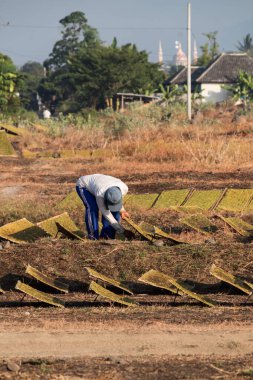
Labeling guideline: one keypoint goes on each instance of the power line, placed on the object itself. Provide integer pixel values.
(142, 28)
(30, 26)
(15, 53)
(99, 28)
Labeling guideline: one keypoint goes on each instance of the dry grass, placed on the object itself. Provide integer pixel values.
(218, 138)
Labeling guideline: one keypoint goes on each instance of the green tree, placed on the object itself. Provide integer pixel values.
(114, 43)
(246, 45)
(174, 69)
(172, 93)
(32, 73)
(33, 68)
(76, 33)
(97, 73)
(210, 49)
(89, 72)
(243, 88)
(10, 82)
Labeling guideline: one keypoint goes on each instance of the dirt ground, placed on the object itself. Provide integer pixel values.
(165, 337)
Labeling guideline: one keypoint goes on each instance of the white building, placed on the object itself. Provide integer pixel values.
(180, 58)
(223, 70)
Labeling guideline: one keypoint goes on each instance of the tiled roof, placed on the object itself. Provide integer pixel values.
(180, 78)
(225, 68)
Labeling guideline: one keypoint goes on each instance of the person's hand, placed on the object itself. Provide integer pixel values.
(129, 235)
(120, 235)
(124, 214)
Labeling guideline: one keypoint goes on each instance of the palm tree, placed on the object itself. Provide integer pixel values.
(171, 93)
(246, 45)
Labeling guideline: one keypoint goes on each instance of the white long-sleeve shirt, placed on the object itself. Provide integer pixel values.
(97, 184)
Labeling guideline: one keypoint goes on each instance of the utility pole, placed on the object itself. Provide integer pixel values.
(189, 90)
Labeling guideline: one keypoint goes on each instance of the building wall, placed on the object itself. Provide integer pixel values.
(213, 93)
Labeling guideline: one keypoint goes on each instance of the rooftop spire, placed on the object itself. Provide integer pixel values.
(160, 53)
(195, 53)
(180, 58)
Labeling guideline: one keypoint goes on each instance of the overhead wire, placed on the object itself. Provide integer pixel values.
(9, 25)
(16, 53)
(27, 26)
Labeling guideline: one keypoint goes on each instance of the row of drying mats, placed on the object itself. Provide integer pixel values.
(199, 204)
(185, 200)
(10, 134)
(23, 231)
(6, 132)
(99, 282)
(199, 207)
(228, 199)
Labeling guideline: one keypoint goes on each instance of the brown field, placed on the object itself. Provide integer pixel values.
(165, 337)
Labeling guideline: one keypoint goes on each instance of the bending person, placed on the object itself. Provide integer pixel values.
(104, 193)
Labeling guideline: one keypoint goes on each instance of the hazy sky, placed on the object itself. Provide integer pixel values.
(34, 24)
